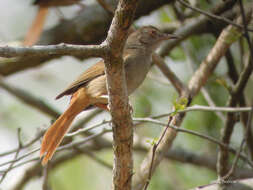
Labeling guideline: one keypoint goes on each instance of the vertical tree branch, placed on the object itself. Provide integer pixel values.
(222, 165)
(233, 74)
(118, 98)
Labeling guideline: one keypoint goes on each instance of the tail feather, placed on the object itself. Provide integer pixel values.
(34, 32)
(56, 132)
(54, 136)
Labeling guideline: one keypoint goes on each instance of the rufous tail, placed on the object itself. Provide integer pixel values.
(56, 132)
(35, 30)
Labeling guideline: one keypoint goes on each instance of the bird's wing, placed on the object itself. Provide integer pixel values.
(93, 72)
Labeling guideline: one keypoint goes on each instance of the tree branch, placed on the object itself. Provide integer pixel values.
(118, 98)
(87, 29)
(225, 40)
(222, 165)
(175, 81)
(52, 50)
(84, 28)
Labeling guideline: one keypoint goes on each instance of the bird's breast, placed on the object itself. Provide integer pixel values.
(136, 71)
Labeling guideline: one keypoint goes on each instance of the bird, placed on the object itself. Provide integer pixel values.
(33, 34)
(89, 90)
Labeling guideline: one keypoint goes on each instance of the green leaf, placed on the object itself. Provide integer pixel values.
(180, 104)
(152, 142)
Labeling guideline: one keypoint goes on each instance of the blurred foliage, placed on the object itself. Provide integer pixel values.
(178, 54)
(153, 98)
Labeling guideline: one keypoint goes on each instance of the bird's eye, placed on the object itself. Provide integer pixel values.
(153, 32)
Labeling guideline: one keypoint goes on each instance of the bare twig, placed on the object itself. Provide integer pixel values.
(188, 109)
(151, 119)
(246, 133)
(245, 28)
(42, 106)
(202, 160)
(45, 185)
(29, 99)
(200, 24)
(70, 145)
(71, 134)
(203, 90)
(234, 76)
(15, 157)
(213, 16)
(66, 147)
(20, 158)
(206, 108)
(175, 81)
(222, 164)
(79, 131)
(225, 40)
(95, 158)
(24, 146)
(178, 155)
(87, 35)
(154, 153)
(208, 138)
(52, 50)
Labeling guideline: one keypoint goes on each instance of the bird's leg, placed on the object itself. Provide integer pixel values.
(103, 106)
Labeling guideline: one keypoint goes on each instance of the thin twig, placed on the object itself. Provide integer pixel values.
(61, 148)
(71, 145)
(20, 158)
(15, 157)
(175, 81)
(211, 139)
(210, 15)
(75, 128)
(95, 158)
(246, 132)
(29, 99)
(154, 153)
(82, 130)
(200, 77)
(188, 109)
(24, 146)
(248, 128)
(45, 185)
(223, 156)
(191, 60)
(245, 28)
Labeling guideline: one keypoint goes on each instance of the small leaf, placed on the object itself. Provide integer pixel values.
(180, 105)
(223, 82)
(152, 142)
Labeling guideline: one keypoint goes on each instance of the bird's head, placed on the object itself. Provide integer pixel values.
(148, 37)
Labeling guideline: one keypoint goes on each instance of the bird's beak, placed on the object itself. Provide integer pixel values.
(169, 36)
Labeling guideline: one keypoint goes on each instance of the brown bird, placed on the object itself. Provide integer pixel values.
(90, 88)
(35, 30)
